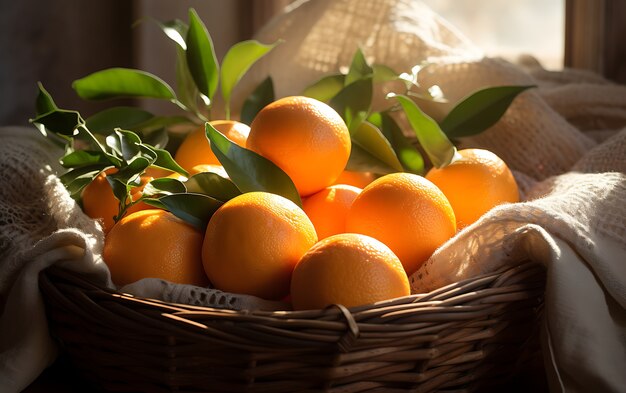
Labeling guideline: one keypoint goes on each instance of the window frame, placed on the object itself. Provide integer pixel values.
(594, 37)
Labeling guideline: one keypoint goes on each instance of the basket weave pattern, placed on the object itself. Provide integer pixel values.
(464, 336)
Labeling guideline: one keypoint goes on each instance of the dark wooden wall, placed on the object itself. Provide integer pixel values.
(56, 42)
(615, 41)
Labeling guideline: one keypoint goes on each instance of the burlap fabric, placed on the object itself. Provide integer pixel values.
(565, 141)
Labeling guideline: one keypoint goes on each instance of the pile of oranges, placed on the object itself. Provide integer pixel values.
(354, 241)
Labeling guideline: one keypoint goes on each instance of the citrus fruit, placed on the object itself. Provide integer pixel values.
(100, 203)
(253, 242)
(348, 269)
(474, 183)
(406, 212)
(305, 138)
(328, 209)
(154, 243)
(196, 149)
(357, 179)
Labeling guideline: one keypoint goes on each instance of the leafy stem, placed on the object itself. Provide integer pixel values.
(198, 72)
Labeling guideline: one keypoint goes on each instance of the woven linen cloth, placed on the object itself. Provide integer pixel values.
(39, 226)
(567, 149)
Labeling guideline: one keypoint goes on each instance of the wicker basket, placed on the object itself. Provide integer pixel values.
(461, 337)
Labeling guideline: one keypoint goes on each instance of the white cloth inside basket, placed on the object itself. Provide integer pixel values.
(557, 142)
(41, 226)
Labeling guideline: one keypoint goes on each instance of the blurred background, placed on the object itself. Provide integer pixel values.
(60, 41)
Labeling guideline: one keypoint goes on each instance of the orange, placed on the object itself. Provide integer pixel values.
(154, 243)
(328, 209)
(253, 242)
(196, 149)
(406, 212)
(305, 138)
(100, 203)
(347, 269)
(357, 179)
(474, 183)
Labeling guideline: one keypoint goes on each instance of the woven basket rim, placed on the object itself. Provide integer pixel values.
(457, 292)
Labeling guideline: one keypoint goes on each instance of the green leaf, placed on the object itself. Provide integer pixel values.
(362, 161)
(382, 73)
(368, 137)
(353, 102)
(44, 102)
(186, 88)
(237, 61)
(60, 121)
(117, 117)
(125, 144)
(163, 186)
(159, 122)
(359, 69)
(92, 142)
(121, 191)
(196, 209)
(129, 146)
(81, 158)
(123, 181)
(201, 56)
(176, 30)
(406, 152)
(480, 110)
(250, 171)
(260, 97)
(155, 202)
(157, 138)
(434, 141)
(165, 160)
(122, 82)
(212, 184)
(130, 174)
(326, 88)
(76, 179)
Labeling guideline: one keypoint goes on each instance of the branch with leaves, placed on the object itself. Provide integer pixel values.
(198, 77)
